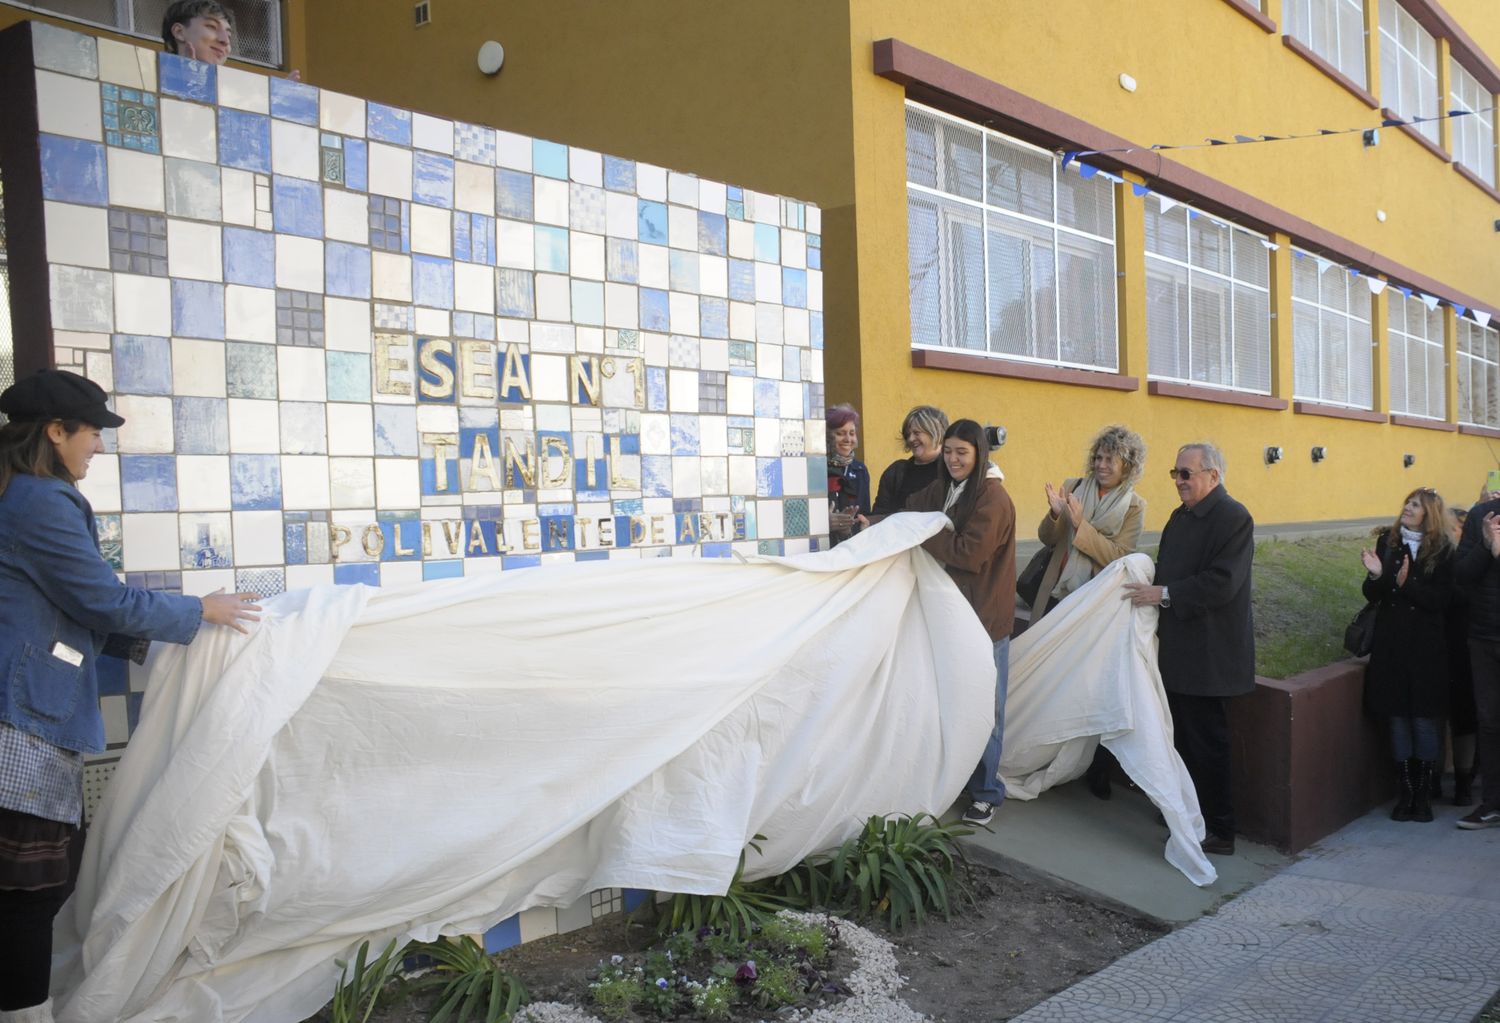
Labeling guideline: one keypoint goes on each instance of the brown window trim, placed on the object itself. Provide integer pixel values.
(1358, 91)
(1171, 389)
(1397, 419)
(1478, 431)
(1414, 133)
(1315, 408)
(966, 362)
(1476, 181)
(1254, 13)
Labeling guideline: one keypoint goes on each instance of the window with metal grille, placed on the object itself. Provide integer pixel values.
(1408, 67)
(1474, 133)
(257, 23)
(1478, 374)
(1414, 351)
(1332, 347)
(1334, 30)
(1208, 300)
(1008, 254)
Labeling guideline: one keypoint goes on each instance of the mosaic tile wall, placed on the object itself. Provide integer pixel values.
(358, 344)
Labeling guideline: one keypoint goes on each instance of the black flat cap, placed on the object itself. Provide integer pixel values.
(57, 394)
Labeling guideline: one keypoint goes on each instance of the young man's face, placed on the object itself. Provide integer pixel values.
(205, 38)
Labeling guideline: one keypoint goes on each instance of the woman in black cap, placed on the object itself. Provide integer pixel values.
(61, 606)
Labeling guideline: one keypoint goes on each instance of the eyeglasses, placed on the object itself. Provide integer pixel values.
(1184, 474)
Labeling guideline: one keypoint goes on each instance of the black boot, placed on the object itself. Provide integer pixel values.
(1402, 810)
(1421, 805)
(1463, 782)
(1098, 773)
(1435, 790)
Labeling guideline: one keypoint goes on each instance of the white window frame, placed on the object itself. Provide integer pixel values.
(1474, 133)
(1359, 339)
(1486, 362)
(1327, 28)
(987, 213)
(1402, 343)
(125, 23)
(1234, 282)
(1405, 77)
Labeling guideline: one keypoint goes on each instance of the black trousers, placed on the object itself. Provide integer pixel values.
(1485, 655)
(1200, 726)
(26, 944)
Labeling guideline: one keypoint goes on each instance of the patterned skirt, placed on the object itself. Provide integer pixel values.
(36, 853)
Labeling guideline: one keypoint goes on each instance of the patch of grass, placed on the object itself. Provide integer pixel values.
(1304, 593)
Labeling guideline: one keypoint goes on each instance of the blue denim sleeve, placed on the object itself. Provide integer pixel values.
(57, 552)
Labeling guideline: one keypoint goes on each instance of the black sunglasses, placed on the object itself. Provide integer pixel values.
(1184, 474)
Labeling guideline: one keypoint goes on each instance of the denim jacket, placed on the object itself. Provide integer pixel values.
(59, 597)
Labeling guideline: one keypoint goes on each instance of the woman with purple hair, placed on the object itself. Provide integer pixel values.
(848, 479)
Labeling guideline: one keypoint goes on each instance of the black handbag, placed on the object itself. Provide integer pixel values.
(1359, 636)
(1030, 579)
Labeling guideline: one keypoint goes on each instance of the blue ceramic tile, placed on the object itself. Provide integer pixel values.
(549, 159)
(348, 376)
(293, 101)
(651, 222)
(768, 477)
(388, 124)
(432, 179)
(142, 365)
(742, 280)
(513, 194)
(73, 170)
(557, 532)
(442, 570)
(656, 389)
(461, 231)
(713, 234)
(468, 434)
(633, 897)
(791, 363)
(628, 444)
(682, 270)
(130, 118)
(297, 206)
(815, 259)
(685, 436)
(767, 243)
(148, 483)
(551, 249)
(817, 473)
(622, 261)
(250, 370)
(474, 143)
(396, 430)
(815, 329)
(794, 287)
(767, 399)
(436, 352)
(249, 257)
(356, 165)
(591, 556)
(772, 548)
(432, 281)
(656, 475)
(513, 294)
(346, 270)
(402, 538)
(655, 310)
(198, 309)
(244, 140)
(734, 192)
(735, 209)
(588, 303)
(619, 175)
(200, 426)
(713, 317)
(521, 561)
(255, 482)
(294, 537)
(479, 238)
(366, 572)
(187, 79)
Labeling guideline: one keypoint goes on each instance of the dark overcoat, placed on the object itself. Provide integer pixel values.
(1206, 638)
(1408, 671)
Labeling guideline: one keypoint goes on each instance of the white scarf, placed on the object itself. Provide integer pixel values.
(1413, 540)
(1106, 513)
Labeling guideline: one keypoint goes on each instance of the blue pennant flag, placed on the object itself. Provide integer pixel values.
(1392, 122)
(1272, 138)
(1405, 291)
(1460, 309)
(1086, 172)
(1459, 113)
(1069, 155)
(1327, 131)
(1217, 142)
(1139, 190)
(1193, 214)
(1245, 138)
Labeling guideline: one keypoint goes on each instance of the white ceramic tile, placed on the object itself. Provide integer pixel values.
(713, 439)
(351, 429)
(554, 300)
(651, 182)
(238, 188)
(77, 235)
(621, 306)
(687, 480)
(474, 188)
(684, 313)
(299, 263)
(741, 400)
(131, 66)
(767, 283)
(342, 114)
(741, 473)
(762, 208)
(202, 482)
(554, 337)
(585, 166)
(244, 90)
(711, 196)
(537, 922)
(621, 215)
(432, 322)
(795, 327)
(549, 378)
(254, 426)
(151, 543)
(433, 133)
(512, 150)
(194, 250)
(148, 424)
(303, 576)
(474, 288)
(655, 348)
(346, 325)
(515, 244)
(193, 189)
(431, 230)
(813, 221)
(304, 482)
(767, 360)
(815, 290)
(301, 373)
(390, 276)
(550, 201)
(791, 400)
(713, 276)
(741, 239)
(742, 321)
(682, 390)
(68, 106)
(403, 573)
(294, 150)
(135, 179)
(397, 483)
(682, 188)
(656, 434)
(352, 482)
(198, 368)
(682, 227)
(390, 171)
(143, 305)
(346, 216)
(793, 249)
(189, 131)
(714, 355)
(102, 484)
(586, 255)
(258, 537)
(250, 314)
(654, 266)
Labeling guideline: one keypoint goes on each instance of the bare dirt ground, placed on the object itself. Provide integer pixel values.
(1023, 941)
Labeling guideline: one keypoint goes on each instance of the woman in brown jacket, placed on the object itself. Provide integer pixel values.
(980, 555)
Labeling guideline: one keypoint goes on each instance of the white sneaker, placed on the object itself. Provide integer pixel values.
(979, 812)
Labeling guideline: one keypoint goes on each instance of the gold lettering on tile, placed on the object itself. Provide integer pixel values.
(607, 531)
(514, 463)
(689, 531)
(557, 532)
(440, 443)
(739, 526)
(531, 535)
(388, 364)
(585, 376)
(453, 534)
(555, 451)
(337, 537)
(476, 361)
(483, 463)
(637, 530)
(401, 552)
(637, 369)
(476, 538)
(373, 540)
(427, 351)
(590, 460)
(426, 539)
(658, 529)
(513, 372)
(616, 479)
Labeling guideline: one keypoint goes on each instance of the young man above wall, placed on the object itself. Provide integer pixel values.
(197, 29)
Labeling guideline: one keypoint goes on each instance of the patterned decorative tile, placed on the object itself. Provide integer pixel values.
(131, 118)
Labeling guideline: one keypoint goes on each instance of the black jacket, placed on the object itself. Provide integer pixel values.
(901, 480)
(1408, 671)
(1477, 571)
(1207, 640)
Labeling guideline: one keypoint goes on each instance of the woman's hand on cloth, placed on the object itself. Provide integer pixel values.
(1142, 594)
(220, 608)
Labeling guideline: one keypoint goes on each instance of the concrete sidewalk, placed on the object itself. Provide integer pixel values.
(1382, 921)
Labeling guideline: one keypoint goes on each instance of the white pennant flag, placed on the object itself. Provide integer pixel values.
(1430, 301)
(1376, 285)
(1481, 317)
(1167, 205)
(1268, 243)
(1323, 264)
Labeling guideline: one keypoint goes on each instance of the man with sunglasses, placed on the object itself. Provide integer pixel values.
(1206, 646)
(1476, 566)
